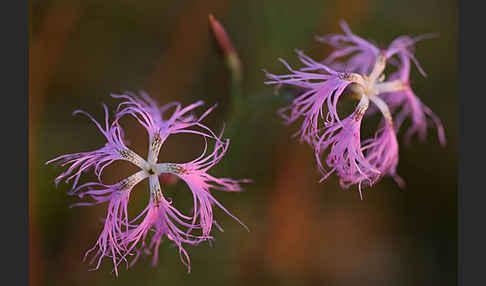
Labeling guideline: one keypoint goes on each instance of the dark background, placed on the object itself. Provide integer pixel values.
(301, 232)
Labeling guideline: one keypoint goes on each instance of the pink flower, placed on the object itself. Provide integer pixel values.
(123, 236)
(354, 160)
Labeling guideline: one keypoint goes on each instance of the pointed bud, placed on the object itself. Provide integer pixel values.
(231, 57)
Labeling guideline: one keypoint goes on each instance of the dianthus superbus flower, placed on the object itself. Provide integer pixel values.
(125, 236)
(358, 66)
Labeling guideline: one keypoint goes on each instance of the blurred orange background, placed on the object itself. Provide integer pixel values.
(301, 232)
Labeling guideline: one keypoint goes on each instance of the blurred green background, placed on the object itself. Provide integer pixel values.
(301, 232)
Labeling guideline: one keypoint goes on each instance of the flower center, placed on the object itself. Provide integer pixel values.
(151, 169)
